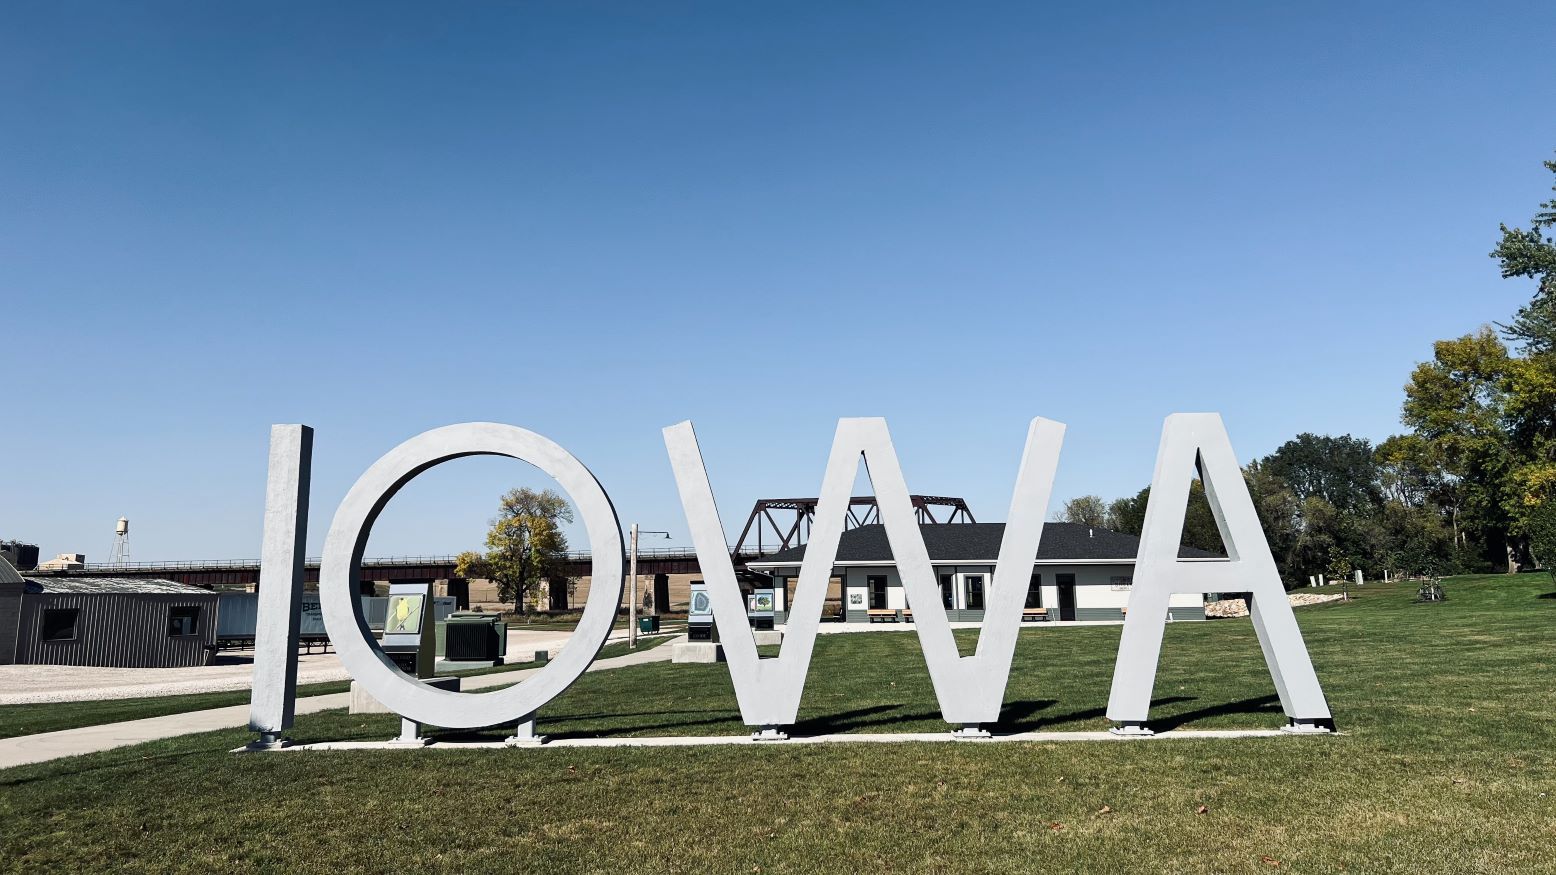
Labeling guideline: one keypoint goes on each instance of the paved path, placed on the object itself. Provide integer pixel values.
(91, 739)
(234, 670)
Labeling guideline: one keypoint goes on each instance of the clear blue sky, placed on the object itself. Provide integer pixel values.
(595, 220)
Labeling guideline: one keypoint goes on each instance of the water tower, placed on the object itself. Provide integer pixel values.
(120, 553)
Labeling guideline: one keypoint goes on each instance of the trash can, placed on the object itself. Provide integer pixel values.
(648, 624)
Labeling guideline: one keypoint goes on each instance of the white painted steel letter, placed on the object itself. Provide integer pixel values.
(1200, 439)
(970, 689)
(281, 582)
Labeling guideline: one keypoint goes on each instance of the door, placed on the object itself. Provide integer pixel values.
(877, 592)
(1066, 584)
(661, 593)
(974, 591)
(558, 593)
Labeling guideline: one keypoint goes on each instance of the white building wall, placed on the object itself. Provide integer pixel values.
(1095, 595)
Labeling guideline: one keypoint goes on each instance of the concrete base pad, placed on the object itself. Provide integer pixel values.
(766, 637)
(362, 702)
(839, 738)
(697, 651)
(462, 665)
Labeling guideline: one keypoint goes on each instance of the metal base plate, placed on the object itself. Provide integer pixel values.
(1308, 727)
(268, 745)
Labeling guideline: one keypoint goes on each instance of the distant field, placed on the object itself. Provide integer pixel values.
(1447, 763)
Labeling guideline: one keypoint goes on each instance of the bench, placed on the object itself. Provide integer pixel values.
(907, 615)
(1034, 615)
(882, 615)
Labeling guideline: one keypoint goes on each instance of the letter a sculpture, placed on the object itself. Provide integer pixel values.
(1190, 440)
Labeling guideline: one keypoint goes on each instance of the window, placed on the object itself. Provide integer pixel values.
(59, 624)
(945, 591)
(1118, 584)
(877, 592)
(974, 592)
(183, 620)
(1035, 592)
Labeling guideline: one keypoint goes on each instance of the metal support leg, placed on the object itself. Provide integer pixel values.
(410, 734)
(268, 741)
(524, 734)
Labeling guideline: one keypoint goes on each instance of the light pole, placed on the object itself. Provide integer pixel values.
(632, 598)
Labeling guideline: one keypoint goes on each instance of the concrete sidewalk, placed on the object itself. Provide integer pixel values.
(90, 739)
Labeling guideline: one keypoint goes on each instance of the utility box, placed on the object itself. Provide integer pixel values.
(474, 636)
(409, 639)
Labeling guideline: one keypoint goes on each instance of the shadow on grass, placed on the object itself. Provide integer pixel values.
(1017, 716)
(1259, 706)
(1546, 595)
(859, 718)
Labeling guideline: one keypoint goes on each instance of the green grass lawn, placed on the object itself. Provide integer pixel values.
(50, 717)
(1445, 764)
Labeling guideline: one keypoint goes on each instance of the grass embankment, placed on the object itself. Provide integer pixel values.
(1447, 764)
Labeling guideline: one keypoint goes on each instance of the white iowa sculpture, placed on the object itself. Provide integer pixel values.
(970, 689)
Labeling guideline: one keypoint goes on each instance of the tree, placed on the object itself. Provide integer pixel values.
(1087, 510)
(1127, 515)
(1531, 381)
(1542, 536)
(524, 545)
(1530, 253)
(1340, 470)
(1458, 404)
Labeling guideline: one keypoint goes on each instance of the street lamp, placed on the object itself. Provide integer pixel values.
(632, 599)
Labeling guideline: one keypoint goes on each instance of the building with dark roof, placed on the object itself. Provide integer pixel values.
(122, 622)
(1081, 573)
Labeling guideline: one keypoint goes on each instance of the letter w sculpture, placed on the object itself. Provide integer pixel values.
(970, 689)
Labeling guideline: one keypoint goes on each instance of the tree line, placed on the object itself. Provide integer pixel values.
(1470, 487)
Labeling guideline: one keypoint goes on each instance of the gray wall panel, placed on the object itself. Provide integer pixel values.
(118, 630)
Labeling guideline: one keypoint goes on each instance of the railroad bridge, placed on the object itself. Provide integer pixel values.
(245, 572)
(774, 524)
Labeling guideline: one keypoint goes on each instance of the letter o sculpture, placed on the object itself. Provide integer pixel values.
(340, 572)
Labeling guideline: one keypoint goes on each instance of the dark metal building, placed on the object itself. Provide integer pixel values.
(21, 556)
(105, 621)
